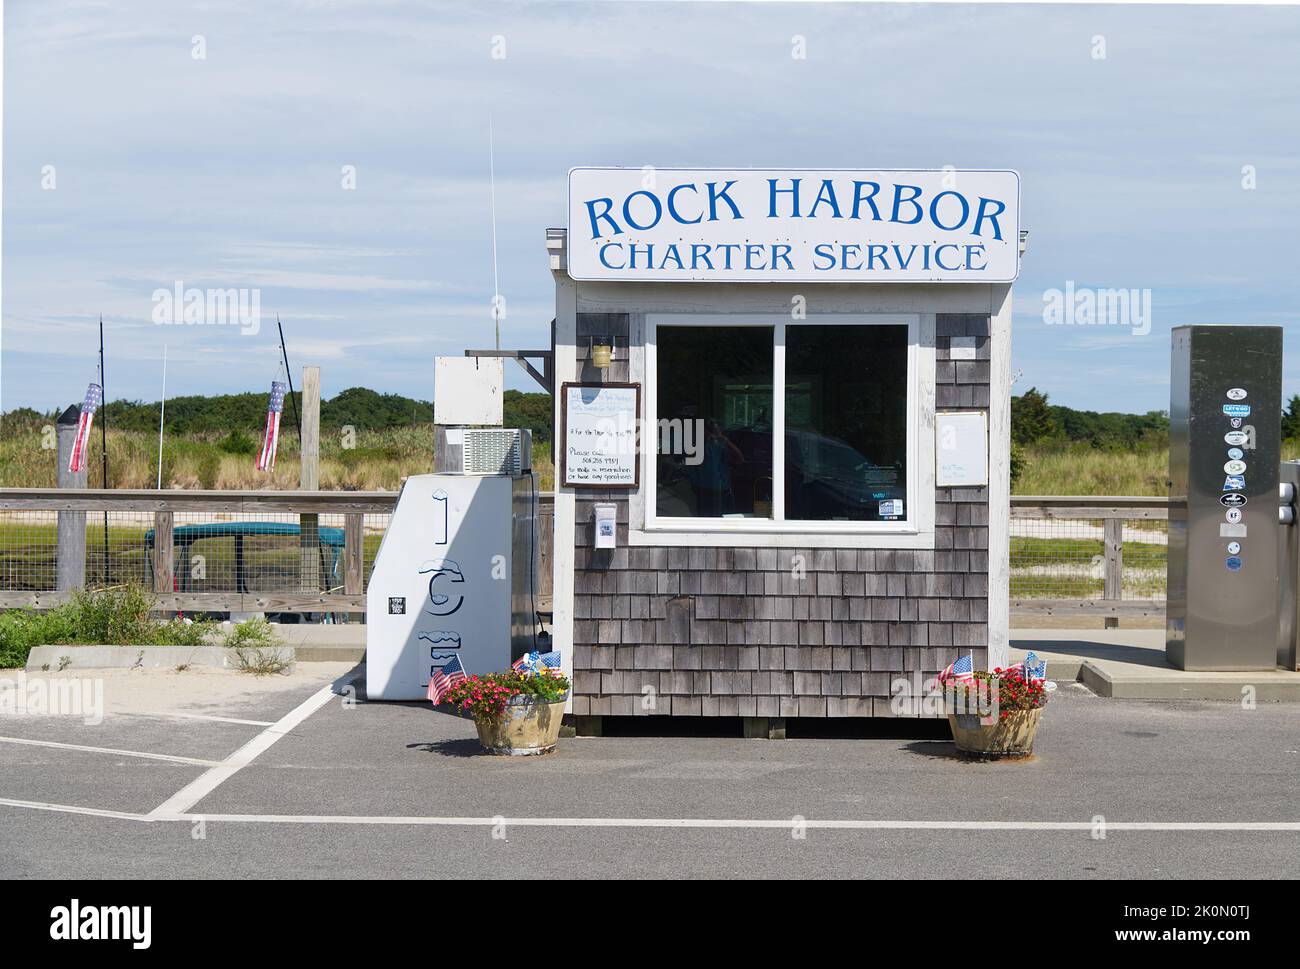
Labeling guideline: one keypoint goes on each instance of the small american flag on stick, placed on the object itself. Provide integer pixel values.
(444, 679)
(535, 661)
(271, 437)
(94, 396)
(961, 670)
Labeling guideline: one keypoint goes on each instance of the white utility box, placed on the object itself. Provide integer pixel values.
(469, 390)
(456, 575)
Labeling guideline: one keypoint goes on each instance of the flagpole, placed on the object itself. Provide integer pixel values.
(289, 377)
(103, 437)
(162, 415)
(492, 187)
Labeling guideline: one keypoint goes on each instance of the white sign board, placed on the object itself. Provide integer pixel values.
(599, 433)
(794, 225)
(961, 449)
(468, 390)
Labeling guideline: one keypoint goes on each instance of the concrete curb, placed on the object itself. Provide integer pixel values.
(1269, 687)
(1130, 665)
(133, 657)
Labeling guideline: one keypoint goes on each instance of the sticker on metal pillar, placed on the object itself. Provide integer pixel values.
(1234, 467)
(1236, 438)
(1234, 482)
(1233, 563)
(1232, 500)
(1234, 548)
(1236, 453)
(1236, 393)
(1237, 410)
(1235, 422)
(1232, 531)
(1233, 515)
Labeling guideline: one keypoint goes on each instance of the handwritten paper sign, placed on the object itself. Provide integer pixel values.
(599, 433)
(961, 449)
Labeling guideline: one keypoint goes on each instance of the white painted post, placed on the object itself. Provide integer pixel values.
(1000, 477)
(70, 558)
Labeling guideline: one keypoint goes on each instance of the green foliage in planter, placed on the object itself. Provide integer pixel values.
(486, 697)
(1013, 692)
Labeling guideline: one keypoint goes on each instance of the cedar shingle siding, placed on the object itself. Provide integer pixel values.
(757, 632)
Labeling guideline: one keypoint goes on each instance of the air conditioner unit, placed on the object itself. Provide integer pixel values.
(482, 450)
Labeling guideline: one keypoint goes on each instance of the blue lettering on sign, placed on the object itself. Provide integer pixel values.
(791, 198)
(1237, 410)
(1234, 563)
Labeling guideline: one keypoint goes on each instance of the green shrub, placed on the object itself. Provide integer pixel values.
(252, 633)
(113, 617)
(208, 468)
(237, 442)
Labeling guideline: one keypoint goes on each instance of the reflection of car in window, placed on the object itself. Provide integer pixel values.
(827, 479)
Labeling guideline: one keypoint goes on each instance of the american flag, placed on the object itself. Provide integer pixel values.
(535, 661)
(960, 669)
(271, 437)
(444, 679)
(94, 396)
(1031, 669)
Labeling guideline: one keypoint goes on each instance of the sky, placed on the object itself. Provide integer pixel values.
(332, 157)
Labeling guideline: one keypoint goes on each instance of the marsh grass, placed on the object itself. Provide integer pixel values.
(378, 462)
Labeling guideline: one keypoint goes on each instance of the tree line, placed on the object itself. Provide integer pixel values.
(1035, 421)
(359, 407)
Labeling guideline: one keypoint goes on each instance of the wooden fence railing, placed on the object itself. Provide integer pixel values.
(1112, 512)
(161, 508)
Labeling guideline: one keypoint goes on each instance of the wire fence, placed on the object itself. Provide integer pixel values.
(1054, 558)
(218, 552)
(1101, 555)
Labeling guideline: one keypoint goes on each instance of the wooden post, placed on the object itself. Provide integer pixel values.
(70, 558)
(163, 566)
(354, 554)
(309, 480)
(1113, 540)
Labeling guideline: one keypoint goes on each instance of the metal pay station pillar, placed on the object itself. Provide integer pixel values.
(1224, 451)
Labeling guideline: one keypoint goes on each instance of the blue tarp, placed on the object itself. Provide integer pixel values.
(191, 533)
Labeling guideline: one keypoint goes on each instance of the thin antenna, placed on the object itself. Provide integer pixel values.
(289, 377)
(103, 436)
(162, 415)
(492, 185)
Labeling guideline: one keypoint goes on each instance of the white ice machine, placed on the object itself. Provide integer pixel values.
(456, 575)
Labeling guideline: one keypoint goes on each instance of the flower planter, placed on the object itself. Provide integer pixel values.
(1012, 736)
(528, 726)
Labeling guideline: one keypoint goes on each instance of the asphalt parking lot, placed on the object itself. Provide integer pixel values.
(211, 773)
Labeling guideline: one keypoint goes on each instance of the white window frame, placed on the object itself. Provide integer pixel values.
(915, 531)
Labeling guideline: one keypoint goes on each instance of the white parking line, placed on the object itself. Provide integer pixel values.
(172, 758)
(71, 809)
(833, 824)
(210, 780)
(848, 824)
(204, 716)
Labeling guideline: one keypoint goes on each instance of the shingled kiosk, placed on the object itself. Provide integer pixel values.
(782, 455)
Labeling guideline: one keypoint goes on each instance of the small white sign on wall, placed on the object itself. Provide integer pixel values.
(961, 449)
(598, 427)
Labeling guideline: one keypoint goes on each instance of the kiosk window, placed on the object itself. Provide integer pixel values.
(788, 423)
(715, 422)
(845, 423)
